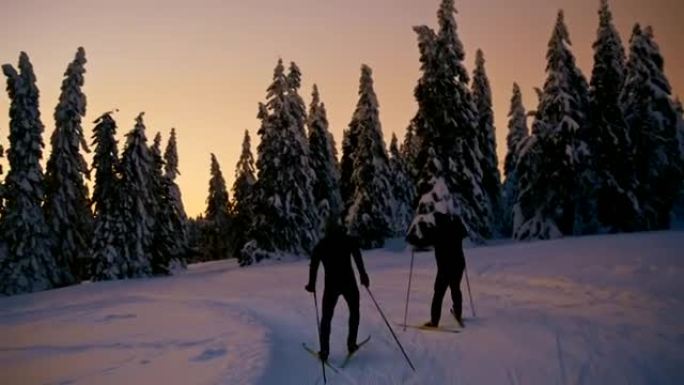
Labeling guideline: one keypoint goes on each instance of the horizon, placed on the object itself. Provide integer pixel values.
(187, 68)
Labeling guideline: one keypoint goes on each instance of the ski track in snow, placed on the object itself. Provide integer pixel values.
(591, 310)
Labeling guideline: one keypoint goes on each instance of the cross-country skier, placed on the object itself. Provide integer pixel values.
(335, 251)
(448, 235)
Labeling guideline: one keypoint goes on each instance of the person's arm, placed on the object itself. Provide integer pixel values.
(313, 269)
(356, 253)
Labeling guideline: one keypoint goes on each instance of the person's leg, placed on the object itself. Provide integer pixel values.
(329, 302)
(351, 295)
(441, 284)
(456, 274)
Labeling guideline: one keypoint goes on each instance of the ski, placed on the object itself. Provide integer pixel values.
(315, 354)
(432, 329)
(350, 355)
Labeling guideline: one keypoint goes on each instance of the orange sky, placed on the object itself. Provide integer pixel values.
(202, 66)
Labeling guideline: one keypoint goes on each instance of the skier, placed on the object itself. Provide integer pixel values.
(335, 250)
(448, 236)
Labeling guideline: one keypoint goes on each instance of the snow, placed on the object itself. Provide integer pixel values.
(591, 310)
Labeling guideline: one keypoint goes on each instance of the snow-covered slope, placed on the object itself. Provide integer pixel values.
(592, 310)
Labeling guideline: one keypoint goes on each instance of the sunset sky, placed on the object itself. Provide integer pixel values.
(202, 66)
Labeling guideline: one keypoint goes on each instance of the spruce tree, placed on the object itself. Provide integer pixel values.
(608, 138)
(517, 132)
(28, 265)
(285, 218)
(217, 215)
(403, 190)
(409, 152)
(137, 200)
(369, 214)
(108, 250)
(554, 180)
(171, 172)
(653, 121)
(323, 161)
(169, 240)
(489, 162)
(446, 124)
(67, 202)
(679, 212)
(245, 178)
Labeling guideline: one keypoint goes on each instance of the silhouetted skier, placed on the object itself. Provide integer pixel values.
(335, 251)
(448, 243)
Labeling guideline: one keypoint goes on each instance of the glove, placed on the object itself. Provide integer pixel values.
(310, 288)
(364, 280)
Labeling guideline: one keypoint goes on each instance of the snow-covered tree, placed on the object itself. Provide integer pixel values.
(171, 172)
(446, 123)
(369, 214)
(409, 152)
(217, 215)
(553, 183)
(108, 251)
(28, 265)
(517, 132)
(67, 203)
(403, 190)
(608, 138)
(323, 161)
(489, 162)
(285, 219)
(245, 178)
(653, 121)
(680, 204)
(137, 200)
(169, 239)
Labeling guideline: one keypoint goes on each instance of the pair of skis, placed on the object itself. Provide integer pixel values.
(346, 359)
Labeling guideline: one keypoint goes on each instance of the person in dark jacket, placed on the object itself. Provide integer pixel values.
(448, 243)
(335, 251)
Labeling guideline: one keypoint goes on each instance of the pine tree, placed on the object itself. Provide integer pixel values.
(403, 190)
(171, 172)
(285, 218)
(609, 142)
(67, 201)
(679, 212)
(28, 265)
(554, 182)
(369, 214)
(409, 152)
(653, 123)
(177, 215)
(109, 254)
(161, 246)
(517, 133)
(489, 162)
(217, 215)
(245, 178)
(169, 240)
(446, 124)
(137, 200)
(323, 161)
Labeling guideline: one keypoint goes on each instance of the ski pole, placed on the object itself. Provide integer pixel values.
(390, 328)
(408, 291)
(318, 327)
(470, 295)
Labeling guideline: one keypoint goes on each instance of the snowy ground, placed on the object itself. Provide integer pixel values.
(593, 310)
